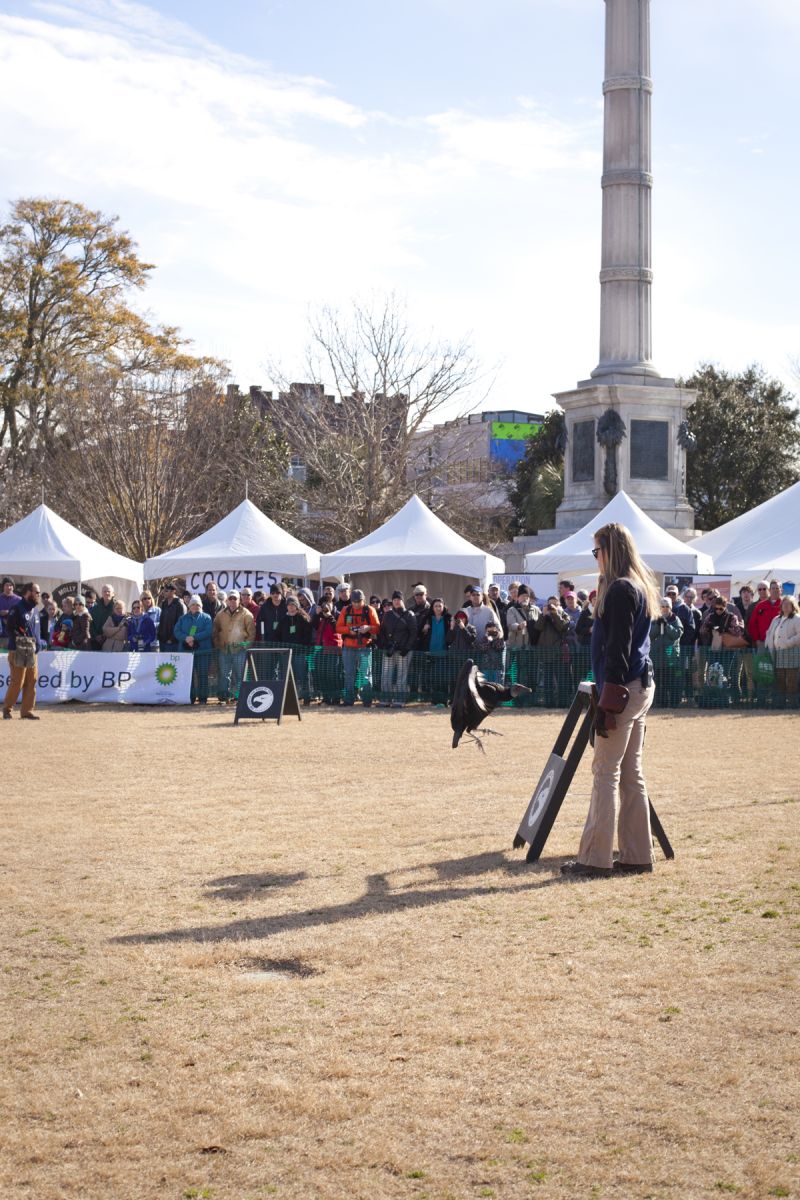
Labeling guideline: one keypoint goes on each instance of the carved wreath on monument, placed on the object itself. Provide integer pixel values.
(610, 433)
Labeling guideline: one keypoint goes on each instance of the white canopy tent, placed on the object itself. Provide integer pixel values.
(46, 548)
(763, 541)
(244, 549)
(414, 545)
(662, 552)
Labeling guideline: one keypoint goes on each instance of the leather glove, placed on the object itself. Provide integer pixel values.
(613, 699)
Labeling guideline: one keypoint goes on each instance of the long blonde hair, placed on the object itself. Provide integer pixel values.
(623, 562)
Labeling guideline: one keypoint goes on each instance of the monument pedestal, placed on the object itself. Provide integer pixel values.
(648, 462)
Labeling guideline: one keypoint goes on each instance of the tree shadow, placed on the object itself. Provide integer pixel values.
(378, 899)
(240, 887)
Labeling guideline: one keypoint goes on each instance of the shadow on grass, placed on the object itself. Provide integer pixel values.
(379, 898)
(240, 887)
(480, 864)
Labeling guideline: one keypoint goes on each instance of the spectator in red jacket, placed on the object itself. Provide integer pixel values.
(767, 608)
(249, 603)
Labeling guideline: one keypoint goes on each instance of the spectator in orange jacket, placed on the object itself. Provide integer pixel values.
(359, 626)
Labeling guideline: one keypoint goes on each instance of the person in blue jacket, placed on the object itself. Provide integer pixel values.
(627, 601)
(142, 629)
(193, 634)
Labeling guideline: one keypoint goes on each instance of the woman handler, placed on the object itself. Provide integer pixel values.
(627, 600)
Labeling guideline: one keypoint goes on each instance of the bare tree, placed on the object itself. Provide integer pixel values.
(157, 462)
(362, 447)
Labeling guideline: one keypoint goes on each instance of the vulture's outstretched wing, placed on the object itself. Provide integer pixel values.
(468, 709)
(474, 697)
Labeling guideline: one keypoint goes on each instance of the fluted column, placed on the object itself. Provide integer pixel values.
(626, 274)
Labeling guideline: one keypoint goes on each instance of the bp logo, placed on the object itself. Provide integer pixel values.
(260, 700)
(166, 673)
(541, 797)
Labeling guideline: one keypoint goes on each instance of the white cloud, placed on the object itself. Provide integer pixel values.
(256, 193)
(260, 194)
(522, 144)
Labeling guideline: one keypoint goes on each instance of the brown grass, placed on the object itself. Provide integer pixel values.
(303, 962)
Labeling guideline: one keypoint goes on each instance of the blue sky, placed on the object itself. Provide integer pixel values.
(271, 156)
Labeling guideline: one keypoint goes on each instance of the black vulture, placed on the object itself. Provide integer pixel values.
(474, 697)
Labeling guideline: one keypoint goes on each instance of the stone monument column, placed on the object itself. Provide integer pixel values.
(624, 422)
(626, 269)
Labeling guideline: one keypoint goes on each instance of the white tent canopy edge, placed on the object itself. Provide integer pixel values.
(763, 541)
(244, 540)
(412, 545)
(46, 548)
(662, 552)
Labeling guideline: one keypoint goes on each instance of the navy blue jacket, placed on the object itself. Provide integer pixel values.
(621, 636)
(23, 621)
(690, 619)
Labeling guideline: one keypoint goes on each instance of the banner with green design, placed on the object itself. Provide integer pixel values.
(93, 676)
(514, 431)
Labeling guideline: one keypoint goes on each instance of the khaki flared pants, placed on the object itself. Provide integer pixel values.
(20, 679)
(618, 781)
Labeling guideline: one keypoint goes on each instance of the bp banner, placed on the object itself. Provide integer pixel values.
(110, 678)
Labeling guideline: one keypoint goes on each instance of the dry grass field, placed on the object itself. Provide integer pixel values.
(303, 961)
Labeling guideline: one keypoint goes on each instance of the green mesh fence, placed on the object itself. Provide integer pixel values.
(701, 678)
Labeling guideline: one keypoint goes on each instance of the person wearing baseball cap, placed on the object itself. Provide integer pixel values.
(420, 607)
(343, 597)
(480, 614)
(358, 626)
(234, 630)
(171, 611)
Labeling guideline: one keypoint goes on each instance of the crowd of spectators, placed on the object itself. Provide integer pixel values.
(349, 649)
(723, 651)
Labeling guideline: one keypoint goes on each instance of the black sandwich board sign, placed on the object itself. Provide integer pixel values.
(272, 696)
(559, 771)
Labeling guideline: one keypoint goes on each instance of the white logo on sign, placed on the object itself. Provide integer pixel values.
(541, 797)
(260, 699)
